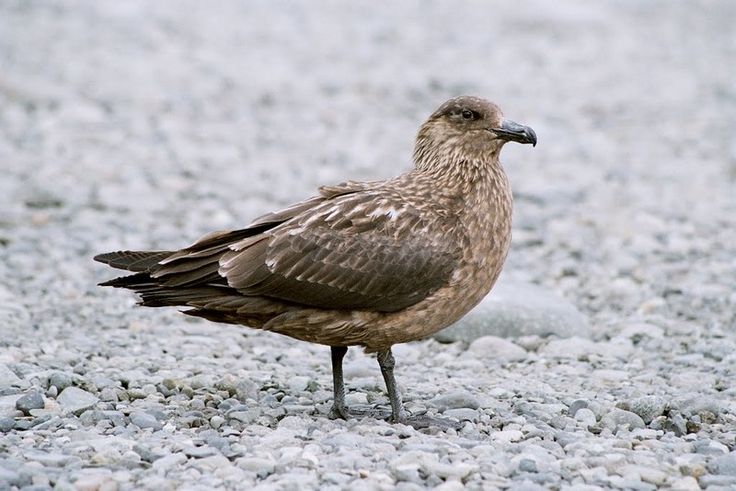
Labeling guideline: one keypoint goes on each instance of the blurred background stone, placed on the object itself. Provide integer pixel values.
(515, 309)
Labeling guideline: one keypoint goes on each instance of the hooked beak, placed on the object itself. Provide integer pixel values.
(516, 132)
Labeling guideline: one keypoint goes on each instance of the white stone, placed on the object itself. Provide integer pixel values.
(495, 348)
(507, 436)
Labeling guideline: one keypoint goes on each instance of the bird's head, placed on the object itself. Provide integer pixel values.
(467, 129)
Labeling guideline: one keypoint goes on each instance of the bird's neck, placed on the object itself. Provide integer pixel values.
(475, 191)
(470, 177)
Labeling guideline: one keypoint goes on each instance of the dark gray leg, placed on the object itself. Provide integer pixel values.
(338, 386)
(386, 362)
(339, 408)
(398, 415)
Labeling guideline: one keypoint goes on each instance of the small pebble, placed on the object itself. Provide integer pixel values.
(144, 420)
(455, 400)
(31, 400)
(585, 417)
(619, 418)
(75, 400)
(60, 380)
(6, 424)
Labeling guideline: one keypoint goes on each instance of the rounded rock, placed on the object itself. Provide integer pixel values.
(60, 380)
(455, 400)
(31, 400)
(493, 347)
(515, 309)
(144, 420)
(6, 424)
(75, 400)
(620, 418)
(585, 417)
(648, 407)
(724, 465)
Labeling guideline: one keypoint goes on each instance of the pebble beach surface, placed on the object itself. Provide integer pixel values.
(143, 125)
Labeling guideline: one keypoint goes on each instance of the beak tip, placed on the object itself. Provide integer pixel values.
(512, 131)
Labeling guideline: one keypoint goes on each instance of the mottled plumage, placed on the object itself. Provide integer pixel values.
(363, 263)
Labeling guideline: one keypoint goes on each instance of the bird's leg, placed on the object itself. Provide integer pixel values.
(386, 362)
(338, 410)
(398, 415)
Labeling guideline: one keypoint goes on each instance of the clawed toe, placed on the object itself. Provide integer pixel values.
(418, 422)
(423, 421)
(342, 412)
(338, 412)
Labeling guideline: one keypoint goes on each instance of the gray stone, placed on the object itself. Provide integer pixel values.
(261, 467)
(527, 465)
(724, 465)
(576, 405)
(527, 486)
(515, 309)
(10, 477)
(700, 405)
(406, 473)
(685, 483)
(6, 423)
(109, 394)
(457, 470)
(199, 452)
(298, 384)
(640, 330)
(93, 416)
(495, 348)
(60, 380)
(246, 417)
(674, 422)
(620, 418)
(462, 414)
(455, 400)
(50, 459)
(8, 378)
(169, 461)
(75, 400)
(212, 463)
(23, 424)
(710, 447)
(648, 407)
(144, 420)
(586, 417)
(718, 482)
(148, 454)
(572, 347)
(246, 389)
(7, 405)
(565, 438)
(29, 401)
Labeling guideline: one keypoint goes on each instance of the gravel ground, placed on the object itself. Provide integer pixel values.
(146, 124)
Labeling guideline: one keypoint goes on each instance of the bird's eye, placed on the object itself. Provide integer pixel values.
(467, 114)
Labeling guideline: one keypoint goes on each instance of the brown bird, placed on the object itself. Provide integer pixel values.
(368, 264)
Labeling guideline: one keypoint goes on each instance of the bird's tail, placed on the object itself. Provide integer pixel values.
(136, 261)
(141, 263)
(218, 303)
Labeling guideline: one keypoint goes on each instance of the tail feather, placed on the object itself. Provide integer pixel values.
(133, 281)
(136, 261)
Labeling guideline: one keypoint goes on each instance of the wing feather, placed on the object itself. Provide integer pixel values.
(315, 260)
(352, 247)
